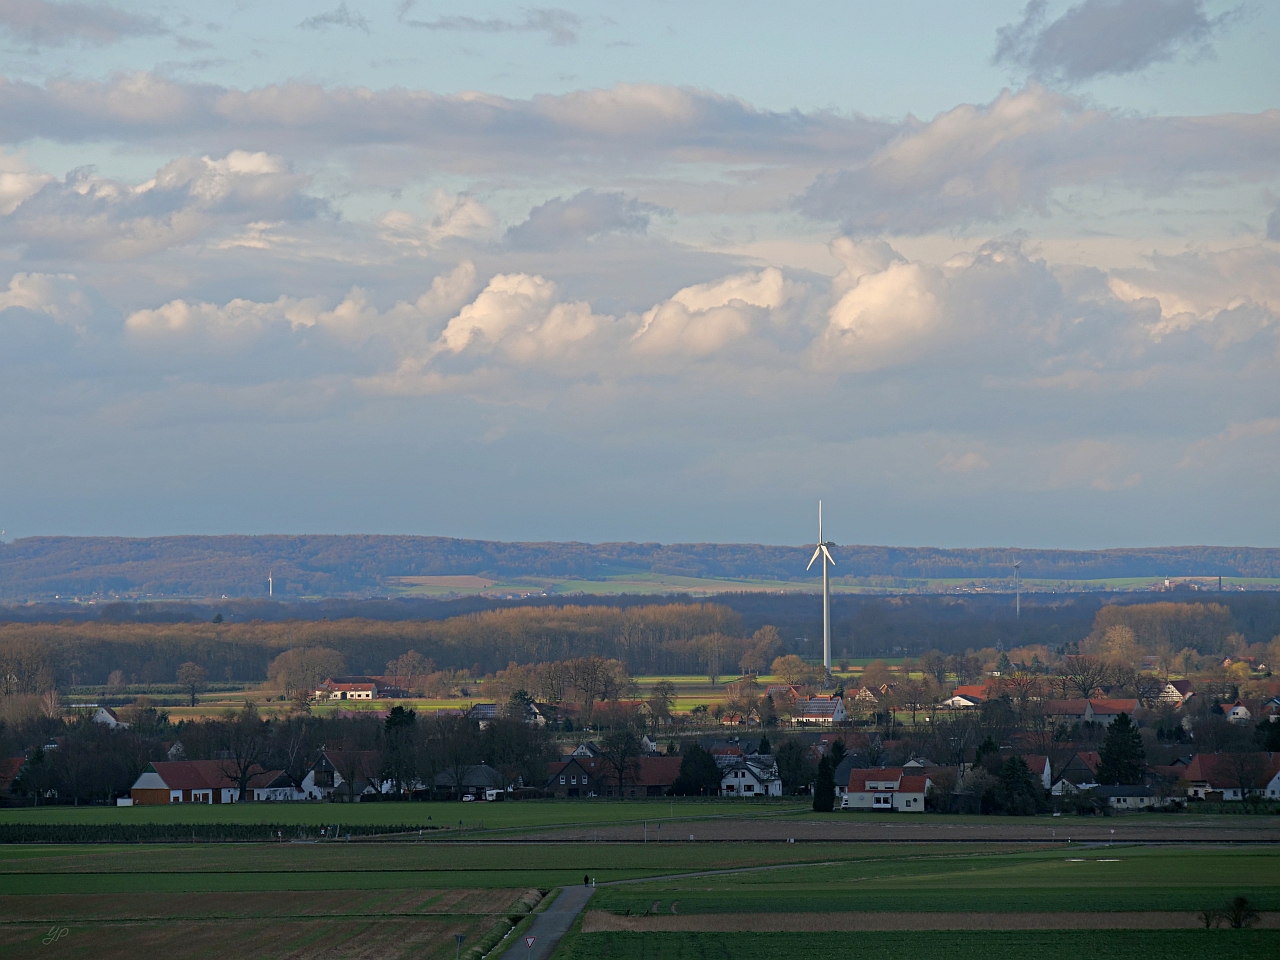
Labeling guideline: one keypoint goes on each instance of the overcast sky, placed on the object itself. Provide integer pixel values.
(981, 273)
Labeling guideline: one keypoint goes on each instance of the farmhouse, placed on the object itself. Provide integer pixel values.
(107, 717)
(643, 777)
(1238, 713)
(820, 710)
(889, 788)
(349, 773)
(348, 688)
(1176, 692)
(197, 781)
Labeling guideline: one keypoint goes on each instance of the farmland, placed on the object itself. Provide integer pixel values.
(990, 945)
(412, 898)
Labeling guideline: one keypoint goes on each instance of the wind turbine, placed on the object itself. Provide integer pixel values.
(1017, 588)
(271, 585)
(825, 554)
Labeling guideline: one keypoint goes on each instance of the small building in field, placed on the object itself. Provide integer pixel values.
(1122, 797)
(888, 789)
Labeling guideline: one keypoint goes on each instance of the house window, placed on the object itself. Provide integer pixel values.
(562, 781)
(573, 779)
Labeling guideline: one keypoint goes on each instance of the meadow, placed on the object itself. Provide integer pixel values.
(510, 815)
(988, 945)
(402, 899)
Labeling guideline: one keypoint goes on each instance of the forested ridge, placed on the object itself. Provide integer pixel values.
(652, 638)
(352, 565)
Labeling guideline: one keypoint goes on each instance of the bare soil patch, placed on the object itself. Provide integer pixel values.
(601, 921)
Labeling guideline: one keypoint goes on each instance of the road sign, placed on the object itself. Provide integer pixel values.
(528, 942)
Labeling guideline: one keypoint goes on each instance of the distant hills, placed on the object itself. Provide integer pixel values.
(357, 565)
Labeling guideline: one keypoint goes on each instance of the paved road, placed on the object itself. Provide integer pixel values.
(552, 924)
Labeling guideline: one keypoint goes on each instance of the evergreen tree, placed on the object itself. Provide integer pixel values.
(1122, 758)
(699, 774)
(1018, 793)
(824, 789)
(764, 745)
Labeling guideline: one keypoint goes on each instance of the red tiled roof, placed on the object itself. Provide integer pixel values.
(657, 771)
(9, 768)
(1222, 770)
(976, 691)
(858, 778)
(1109, 708)
(206, 774)
(912, 784)
(1065, 708)
(1037, 764)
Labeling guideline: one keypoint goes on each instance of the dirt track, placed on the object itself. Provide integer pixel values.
(862, 828)
(600, 921)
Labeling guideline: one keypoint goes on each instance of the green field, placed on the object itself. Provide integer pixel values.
(983, 945)
(409, 899)
(525, 814)
(1011, 880)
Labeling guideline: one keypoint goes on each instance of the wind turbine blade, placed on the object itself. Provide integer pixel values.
(817, 553)
(827, 553)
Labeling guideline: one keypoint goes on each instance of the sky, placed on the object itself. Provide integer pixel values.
(997, 273)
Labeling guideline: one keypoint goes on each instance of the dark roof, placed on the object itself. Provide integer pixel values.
(480, 775)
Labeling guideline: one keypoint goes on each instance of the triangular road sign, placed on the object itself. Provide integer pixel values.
(528, 942)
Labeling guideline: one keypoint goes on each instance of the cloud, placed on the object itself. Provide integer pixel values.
(41, 23)
(560, 26)
(1273, 225)
(339, 17)
(969, 462)
(455, 216)
(190, 199)
(1212, 449)
(988, 163)
(17, 182)
(701, 320)
(1106, 37)
(560, 223)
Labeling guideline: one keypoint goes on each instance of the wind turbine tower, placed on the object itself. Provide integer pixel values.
(824, 552)
(1017, 589)
(271, 586)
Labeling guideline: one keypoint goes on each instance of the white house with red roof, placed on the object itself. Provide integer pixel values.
(888, 788)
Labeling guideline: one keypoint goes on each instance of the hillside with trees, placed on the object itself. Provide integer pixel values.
(335, 566)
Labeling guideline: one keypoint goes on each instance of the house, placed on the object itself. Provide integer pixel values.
(1101, 711)
(650, 776)
(1039, 767)
(1176, 692)
(10, 767)
(473, 781)
(587, 749)
(864, 698)
(1129, 797)
(976, 692)
(820, 710)
(196, 781)
(748, 775)
(781, 693)
(1066, 711)
(349, 774)
(1078, 773)
(1104, 711)
(888, 788)
(1238, 713)
(1232, 776)
(348, 688)
(579, 776)
(960, 701)
(107, 717)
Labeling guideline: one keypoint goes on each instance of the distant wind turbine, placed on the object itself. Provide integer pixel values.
(825, 554)
(1017, 588)
(271, 586)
